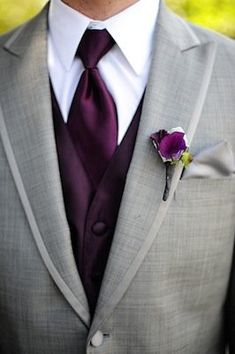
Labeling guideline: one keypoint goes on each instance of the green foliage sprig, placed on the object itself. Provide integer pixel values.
(215, 14)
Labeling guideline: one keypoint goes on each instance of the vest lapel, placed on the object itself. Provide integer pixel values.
(174, 97)
(104, 209)
(28, 138)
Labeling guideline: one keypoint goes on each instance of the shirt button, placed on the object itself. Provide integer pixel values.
(97, 339)
(99, 228)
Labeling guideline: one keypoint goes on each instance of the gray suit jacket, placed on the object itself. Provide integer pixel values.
(167, 277)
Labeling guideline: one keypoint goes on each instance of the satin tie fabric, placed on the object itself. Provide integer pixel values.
(92, 121)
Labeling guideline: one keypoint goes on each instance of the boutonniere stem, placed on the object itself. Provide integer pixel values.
(169, 174)
(172, 147)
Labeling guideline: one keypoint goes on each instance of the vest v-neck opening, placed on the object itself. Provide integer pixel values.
(92, 213)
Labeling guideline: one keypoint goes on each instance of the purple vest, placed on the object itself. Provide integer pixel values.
(92, 213)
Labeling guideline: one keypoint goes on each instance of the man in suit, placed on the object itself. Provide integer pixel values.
(97, 262)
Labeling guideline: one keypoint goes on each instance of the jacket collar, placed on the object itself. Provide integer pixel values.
(171, 99)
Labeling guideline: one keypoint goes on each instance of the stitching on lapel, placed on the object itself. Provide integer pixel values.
(164, 206)
(66, 291)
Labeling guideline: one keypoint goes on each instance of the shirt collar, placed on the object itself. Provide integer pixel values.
(132, 30)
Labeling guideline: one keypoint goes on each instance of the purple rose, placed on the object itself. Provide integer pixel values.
(170, 145)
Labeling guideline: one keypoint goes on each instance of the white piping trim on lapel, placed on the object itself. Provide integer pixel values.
(164, 206)
(14, 37)
(192, 34)
(212, 48)
(66, 291)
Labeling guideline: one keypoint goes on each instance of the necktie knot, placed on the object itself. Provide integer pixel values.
(93, 46)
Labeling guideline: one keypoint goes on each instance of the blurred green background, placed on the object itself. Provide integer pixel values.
(215, 14)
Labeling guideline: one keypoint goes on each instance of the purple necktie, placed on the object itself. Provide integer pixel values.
(92, 121)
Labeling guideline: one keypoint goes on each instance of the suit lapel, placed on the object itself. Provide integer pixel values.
(174, 97)
(28, 138)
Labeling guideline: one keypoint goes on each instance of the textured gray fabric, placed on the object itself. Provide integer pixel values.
(167, 276)
(214, 162)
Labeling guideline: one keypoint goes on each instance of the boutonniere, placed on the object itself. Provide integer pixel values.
(172, 146)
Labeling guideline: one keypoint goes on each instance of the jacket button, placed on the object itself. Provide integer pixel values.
(97, 339)
(99, 228)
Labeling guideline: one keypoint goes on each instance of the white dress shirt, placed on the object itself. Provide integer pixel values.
(124, 68)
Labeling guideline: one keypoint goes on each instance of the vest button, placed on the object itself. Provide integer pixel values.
(97, 339)
(99, 228)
